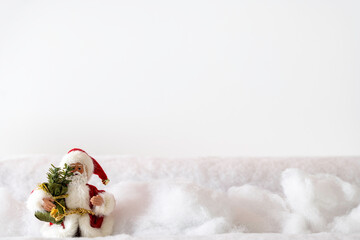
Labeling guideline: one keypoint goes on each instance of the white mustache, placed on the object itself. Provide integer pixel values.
(78, 178)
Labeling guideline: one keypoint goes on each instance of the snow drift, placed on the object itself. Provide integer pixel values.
(232, 197)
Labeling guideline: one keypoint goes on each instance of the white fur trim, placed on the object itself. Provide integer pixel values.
(35, 200)
(71, 224)
(88, 231)
(107, 207)
(81, 157)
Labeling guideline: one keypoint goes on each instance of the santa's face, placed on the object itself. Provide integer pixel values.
(77, 167)
(79, 177)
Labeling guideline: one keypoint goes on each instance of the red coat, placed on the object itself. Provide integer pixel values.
(95, 221)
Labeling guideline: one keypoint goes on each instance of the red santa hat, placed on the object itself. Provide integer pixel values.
(76, 155)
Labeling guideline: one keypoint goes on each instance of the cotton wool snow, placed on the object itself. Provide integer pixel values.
(153, 204)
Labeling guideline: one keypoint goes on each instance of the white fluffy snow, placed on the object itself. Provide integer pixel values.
(222, 198)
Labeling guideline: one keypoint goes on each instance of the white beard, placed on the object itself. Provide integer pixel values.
(78, 192)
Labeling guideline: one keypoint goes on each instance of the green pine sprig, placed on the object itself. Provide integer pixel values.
(57, 185)
(60, 176)
(66, 174)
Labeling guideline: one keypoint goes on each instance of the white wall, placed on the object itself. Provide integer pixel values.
(180, 78)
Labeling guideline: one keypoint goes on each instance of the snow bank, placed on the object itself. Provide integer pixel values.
(319, 199)
(196, 199)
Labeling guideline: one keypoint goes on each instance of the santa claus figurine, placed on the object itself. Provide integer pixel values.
(80, 196)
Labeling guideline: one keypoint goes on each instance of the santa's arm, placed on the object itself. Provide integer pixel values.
(108, 205)
(35, 200)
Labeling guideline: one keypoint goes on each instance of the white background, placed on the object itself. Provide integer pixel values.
(180, 78)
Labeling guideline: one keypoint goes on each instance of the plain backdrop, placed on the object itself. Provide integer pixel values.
(180, 78)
